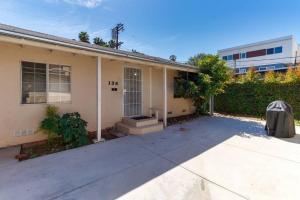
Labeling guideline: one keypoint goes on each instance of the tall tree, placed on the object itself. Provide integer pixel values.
(100, 42)
(195, 59)
(173, 58)
(84, 37)
(112, 44)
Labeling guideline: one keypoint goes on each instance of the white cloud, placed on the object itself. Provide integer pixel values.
(84, 3)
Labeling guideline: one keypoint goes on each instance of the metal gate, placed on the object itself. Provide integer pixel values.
(132, 92)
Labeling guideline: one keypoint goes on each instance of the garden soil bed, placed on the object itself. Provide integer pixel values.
(40, 148)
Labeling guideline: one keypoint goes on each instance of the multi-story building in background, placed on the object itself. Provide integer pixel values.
(275, 54)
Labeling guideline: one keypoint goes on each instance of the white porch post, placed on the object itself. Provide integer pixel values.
(150, 90)
(165, 109)
(99, 72)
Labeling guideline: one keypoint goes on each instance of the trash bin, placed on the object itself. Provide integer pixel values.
(280, 120)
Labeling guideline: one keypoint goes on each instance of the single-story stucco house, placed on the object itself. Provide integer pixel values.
(104, 85)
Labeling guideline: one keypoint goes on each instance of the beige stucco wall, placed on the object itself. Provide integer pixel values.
(15, 117)
(112, 101)
(176, 106)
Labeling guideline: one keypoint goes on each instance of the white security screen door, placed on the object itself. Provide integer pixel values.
(132, 92)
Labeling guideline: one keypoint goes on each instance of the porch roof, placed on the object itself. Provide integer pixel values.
(19, 33)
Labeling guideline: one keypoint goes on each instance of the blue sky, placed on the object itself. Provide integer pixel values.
(160, 27)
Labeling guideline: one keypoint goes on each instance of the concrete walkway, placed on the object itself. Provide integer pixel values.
(208, 158)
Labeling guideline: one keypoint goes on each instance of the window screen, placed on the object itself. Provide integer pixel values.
(34, 83)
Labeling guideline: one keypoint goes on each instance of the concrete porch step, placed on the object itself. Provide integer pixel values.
(139, 123)
(139, 130)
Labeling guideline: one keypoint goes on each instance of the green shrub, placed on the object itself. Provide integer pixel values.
(210, 80)
(50, 125)
(73, 130)
(252, 98)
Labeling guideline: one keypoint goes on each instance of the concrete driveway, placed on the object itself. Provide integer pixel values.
(209, 158)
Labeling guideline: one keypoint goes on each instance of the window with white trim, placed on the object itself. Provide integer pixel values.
(242, 70)
(270, 68)
(34, 88)
(42, 83)
(243, 55)
(264, 68)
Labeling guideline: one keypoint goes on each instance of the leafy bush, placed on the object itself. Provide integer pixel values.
(50, 125)
(252, 98)
(73, 129)
(210, 80)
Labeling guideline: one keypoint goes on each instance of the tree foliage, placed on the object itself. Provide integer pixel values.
(210, 80)
(251, 96)
(252, 76)
(195, 59)
(84, 37)
(112, 44)
(270, 77)
(290, 75)
(100, 42)
(173, 58)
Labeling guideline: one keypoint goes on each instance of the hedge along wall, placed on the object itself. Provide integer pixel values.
(253, 98)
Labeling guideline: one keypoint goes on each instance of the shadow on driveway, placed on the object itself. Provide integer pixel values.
(151, 166)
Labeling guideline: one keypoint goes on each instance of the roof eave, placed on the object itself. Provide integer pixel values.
(90, 49)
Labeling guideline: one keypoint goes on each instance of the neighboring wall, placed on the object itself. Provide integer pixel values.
(289, 48)
(15, 117)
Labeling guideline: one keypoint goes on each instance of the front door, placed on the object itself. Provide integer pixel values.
(132, 92)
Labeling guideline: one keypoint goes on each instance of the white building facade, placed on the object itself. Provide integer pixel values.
(275, 54)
